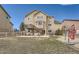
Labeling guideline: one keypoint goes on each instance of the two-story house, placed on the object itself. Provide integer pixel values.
(5, 23)
(39, 22)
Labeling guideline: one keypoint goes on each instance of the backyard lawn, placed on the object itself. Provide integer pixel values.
(22, 45)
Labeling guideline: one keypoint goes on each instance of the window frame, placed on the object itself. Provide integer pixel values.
(49, 24)
(39, 22)
(49, 30)
(39, 17)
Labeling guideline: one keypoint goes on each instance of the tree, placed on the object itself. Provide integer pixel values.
(22, 27)
(16, 30)
(57, 22)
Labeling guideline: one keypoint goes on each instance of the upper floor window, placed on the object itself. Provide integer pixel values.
(28, 18)
(49, 24)
(39, 17)
(39, 22)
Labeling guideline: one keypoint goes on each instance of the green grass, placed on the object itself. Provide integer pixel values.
(34, 45)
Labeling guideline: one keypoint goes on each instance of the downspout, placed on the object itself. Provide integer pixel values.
(46, 25)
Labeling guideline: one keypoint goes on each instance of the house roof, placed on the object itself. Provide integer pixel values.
(30, 13)
(37, 13)
(41, 12)
(4, 10)
(6, 13)
(70, 20)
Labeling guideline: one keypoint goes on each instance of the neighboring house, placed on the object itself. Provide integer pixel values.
(39, 22)
(57, 25)
(5, 23)
(69, 22)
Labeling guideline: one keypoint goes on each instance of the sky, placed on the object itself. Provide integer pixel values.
(59, 11)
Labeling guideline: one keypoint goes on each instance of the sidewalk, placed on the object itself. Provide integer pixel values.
(75, 42)
(62, 39)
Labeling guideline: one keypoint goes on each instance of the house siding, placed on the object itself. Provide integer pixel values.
(69, 23)
(45, 19)
(5, 25)
(31, 20)
(42, 20)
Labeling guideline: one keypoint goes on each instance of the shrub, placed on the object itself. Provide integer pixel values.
(22, 28)
(59, 32)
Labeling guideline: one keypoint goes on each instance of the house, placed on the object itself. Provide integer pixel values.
(69, 22)
(37, 22)
(57, 25)
(5, 23)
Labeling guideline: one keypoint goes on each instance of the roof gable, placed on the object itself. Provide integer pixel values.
(31, 13)
(4, 10)
(6, 13)
(38, 13)
(44, 14)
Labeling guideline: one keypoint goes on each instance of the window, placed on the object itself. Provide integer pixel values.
(39, 22)
(7, 17)
(28, 18)
(28, 30)
(49, 24)
(49, 31)
(39, 17)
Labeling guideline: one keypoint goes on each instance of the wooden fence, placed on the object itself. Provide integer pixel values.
(9, 34)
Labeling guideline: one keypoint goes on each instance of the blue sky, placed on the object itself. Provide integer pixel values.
(59, 11)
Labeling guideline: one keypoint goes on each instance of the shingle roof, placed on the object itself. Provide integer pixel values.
(37, 13)
(5, 11)
(71, 20)
(31, 12)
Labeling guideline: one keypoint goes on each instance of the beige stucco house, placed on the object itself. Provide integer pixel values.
(5, 23)
(69, 22)
(37, 22)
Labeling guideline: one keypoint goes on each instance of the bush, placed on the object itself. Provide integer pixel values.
(22, 27)
(59, 32)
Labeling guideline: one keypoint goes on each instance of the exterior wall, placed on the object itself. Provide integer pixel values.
(56, 27)
(45, 21)
(53, 26)
(5, 24)
(51, 21)
(69, 23)
(31, 18)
